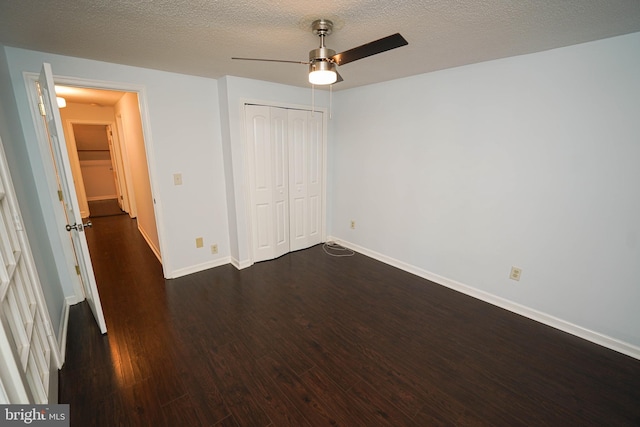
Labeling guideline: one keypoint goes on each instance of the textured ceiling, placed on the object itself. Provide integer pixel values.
(199, 37)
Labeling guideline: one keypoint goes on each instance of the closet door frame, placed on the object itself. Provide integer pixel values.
(247, 165)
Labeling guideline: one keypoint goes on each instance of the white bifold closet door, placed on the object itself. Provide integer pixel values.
(285, 160)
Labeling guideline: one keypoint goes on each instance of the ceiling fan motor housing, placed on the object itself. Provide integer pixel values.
(321, 54)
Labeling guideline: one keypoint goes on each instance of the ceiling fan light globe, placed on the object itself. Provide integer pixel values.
(322, 77)
(322, 73)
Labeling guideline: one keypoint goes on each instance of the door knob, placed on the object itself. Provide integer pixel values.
(78, 227)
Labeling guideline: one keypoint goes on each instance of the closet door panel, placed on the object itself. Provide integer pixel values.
(285, 149)
(260, 180)
(280, 191)
(298, 178)
(315, 155)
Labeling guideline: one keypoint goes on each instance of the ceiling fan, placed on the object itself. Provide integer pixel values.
(323, 61)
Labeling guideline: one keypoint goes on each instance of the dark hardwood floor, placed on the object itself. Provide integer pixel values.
(310, 340)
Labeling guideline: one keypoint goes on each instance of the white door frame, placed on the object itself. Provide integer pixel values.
(30, 79)
(246, 165)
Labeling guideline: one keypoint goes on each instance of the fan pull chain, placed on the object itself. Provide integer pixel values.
(330, 101)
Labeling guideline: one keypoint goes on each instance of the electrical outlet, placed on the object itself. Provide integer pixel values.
(214, 249)
(177, 179)
(199, 242)
(353, 225)
(515, 273)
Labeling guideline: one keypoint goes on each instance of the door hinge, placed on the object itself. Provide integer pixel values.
(43, 112)
(60, 195)
(78, 270)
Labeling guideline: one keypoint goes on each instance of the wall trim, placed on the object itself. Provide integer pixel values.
(199, 267)
(147, 239)
(547, 319)
(63, 329)
(240, 265)
(98, 198)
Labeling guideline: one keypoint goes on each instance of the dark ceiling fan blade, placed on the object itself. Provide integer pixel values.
(272, 60)
(339, 78)
(372, 48)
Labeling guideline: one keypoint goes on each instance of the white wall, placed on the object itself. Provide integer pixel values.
(183, 137)
(98, 179)
(530, 161)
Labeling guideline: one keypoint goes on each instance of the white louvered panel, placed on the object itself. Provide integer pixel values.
(4, 275)
(8, 238)
(18, 328)
(40, 351)
(21, 301)
(4, 279)
(9, 219)
(34, 380)
(23, 282)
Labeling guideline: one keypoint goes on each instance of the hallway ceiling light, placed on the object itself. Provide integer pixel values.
(61, 102)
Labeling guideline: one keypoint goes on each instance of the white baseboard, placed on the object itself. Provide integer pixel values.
(154, 249)
(197, 268)
(538, 316)
(62, 333)
(240, 264)
(74, 299)
(99, 198)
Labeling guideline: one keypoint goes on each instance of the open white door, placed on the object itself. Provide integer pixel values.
(53, 126)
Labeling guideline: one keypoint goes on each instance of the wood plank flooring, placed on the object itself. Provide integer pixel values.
(314, 340)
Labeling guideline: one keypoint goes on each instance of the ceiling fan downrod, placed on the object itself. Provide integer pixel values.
(321, 28)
